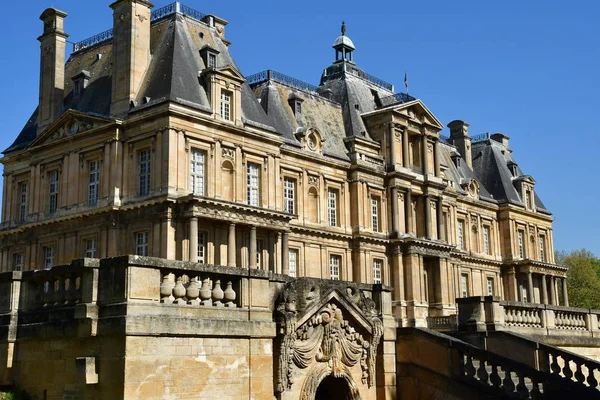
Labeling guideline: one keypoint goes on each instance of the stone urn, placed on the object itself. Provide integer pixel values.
(193, 289)
(166, 287)
(229, 293)
(217, 293)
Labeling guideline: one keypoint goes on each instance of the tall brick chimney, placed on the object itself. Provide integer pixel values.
(459, 134)
(52, 69)
(131, 51)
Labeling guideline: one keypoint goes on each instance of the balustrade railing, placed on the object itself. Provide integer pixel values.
(569, 320)
(443, 323)
(527, 317)
(155, 15)
(199, 289)
(397, 98)
(480, 138)
(264, 76)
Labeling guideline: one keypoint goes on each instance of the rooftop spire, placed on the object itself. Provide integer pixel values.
(343, 28)
(343, 46)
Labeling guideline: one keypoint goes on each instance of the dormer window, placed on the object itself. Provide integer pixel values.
(512, 166)
(295, 103)
(80, 82)
(209, 56)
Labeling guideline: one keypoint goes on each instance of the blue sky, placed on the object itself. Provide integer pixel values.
(528, 69)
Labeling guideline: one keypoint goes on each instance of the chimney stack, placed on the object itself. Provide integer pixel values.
(501, 138)
(459, 135)
(52, 67)
(131, 51)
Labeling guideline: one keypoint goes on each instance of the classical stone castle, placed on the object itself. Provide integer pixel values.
(278, 233)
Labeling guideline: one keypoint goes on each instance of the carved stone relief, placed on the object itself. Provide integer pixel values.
(228, 153)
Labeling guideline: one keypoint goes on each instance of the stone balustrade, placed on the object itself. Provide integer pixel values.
(199, 289)
(492, 314)
(442, 323)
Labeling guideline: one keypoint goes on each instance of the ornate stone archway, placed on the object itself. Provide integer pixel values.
(326, 329)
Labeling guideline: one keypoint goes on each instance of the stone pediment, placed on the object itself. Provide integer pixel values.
(417, 112)
(71, 123)
(329, 325)
(229, 72)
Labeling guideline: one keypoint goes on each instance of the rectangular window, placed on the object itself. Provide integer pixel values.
(90, 248)
(18, 262)
(212, 60)
(524, 297)
(253, 184)
(53, 191)
(197, 172)
(293, 262)
(486, 239)
(201, 248)
(144, 172)
(48, 257)
(23, 202)
(332, 200)
(226, 105)
(377, 267)
(520, 235)
(542, 249)
(464, 285)
(289, 193)
(334, 267)
(460, 234)
(94, 175)
(141, 243)
(490, 286)
(375, 213)
(259, 249)
(528, 201)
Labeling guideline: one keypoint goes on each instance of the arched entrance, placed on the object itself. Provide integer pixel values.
(332, 388)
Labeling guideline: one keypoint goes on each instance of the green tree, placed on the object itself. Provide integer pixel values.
(583, 277)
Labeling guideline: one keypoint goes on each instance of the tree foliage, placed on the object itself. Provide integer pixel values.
(583, 277)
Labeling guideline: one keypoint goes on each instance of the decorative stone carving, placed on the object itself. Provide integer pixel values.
(228, 153)
(313, 181)
(330, 336)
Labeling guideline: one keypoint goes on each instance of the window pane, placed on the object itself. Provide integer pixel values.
(141, 243)
(334, 267)
(293, 262)
(53, 191)
(23, 202)
(375, 214)
(144, 172)
(332, 206)
(225, 105)
(377, 266)
(197, 172)
(253, 184)
(289, 195)
(459, 235)
(94, 179)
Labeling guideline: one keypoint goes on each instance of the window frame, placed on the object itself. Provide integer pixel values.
(377, 271)
(490, 285)
(289, 195)
(487, 248)
(202, 235)
(335, 262)
(226, 97)
(18, 261)
(293, 262)
(521, 242)
(144, 244)
(460, 234)
(93, 182)
(332, 206)
(90, 252)
(375, 213)
(253, 184)
(53, 190)
(144, 167)
(49, 256)
(197, 179)
(23, 201)
(464, 285)
(542, 242)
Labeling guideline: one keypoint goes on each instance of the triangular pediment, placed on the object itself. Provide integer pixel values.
(71, 123)
(418, 112)
(229, 72)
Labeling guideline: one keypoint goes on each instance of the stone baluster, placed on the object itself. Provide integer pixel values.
(166, 288)
(217, 294)
(193, 292)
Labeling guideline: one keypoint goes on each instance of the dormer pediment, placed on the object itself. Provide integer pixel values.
(227, 72)
(70, 124)
(417, 112)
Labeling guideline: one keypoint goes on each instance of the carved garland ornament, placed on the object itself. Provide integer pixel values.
(329, 339)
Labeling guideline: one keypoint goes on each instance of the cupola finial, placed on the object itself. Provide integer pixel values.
(343, 28)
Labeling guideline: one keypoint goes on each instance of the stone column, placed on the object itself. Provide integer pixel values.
(427, 205)
(285, 253)
(405, 155)
(544, 290)
(565, 294)
(424, 157)
(253, 255)
(408, 214)
(440, 220)
(231, 250)
(552, 291)
(392, 145)
(436, 158)
(512, 284)
(193, 228)
(530, 287)
(394, 207)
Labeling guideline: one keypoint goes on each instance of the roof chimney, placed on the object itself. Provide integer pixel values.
(459, 135)
(52, 74)
(131, 51)
(501, 138)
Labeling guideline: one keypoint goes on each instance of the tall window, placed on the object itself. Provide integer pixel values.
(460, 234)
(486, 239)
(201, 248)
(377, 266)
(144, 172)
(90, 248)
(23, 202)
(94, 175)
(334, 267)
(197, 172)
(520, 235)
(18, 262)
(253, 184)
(524, 297)
(293, 262)
(289, 189)
(464, 285)
(332, 200)
(141, 243)
(48, 257)
(226, 105)
(259, 249)
(212, 60)
(53, 191)
(542, 248)
(375, 213)
(490, 286)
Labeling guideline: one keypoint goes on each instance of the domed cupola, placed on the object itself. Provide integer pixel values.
(343, 47)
